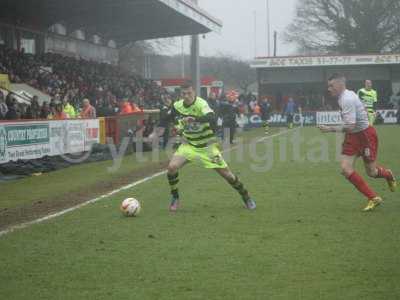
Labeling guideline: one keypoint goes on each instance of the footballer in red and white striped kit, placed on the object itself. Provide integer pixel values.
(361, 140)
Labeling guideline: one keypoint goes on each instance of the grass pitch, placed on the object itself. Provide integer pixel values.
(308, 238)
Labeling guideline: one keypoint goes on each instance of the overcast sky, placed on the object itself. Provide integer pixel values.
(237, 36)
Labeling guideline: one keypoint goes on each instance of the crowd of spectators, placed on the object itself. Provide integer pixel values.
(251, 104)
(69, 81)
(246, 104)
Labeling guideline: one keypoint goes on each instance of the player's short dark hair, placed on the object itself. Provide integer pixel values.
(337, 76)
(187, 84)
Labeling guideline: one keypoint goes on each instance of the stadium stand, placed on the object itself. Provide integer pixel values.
(71, 51)
(74, 80)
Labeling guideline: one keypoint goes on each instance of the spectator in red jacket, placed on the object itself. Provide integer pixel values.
(58, 112)
(88, 111)
(126, 107)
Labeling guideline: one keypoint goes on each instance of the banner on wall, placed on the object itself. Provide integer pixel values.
(31, 140)
(334, 117)
(308, 118)
(253, 121)
(389, 116)
(329, 118)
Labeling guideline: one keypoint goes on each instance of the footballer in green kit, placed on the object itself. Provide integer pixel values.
(369, 97)
(196, 123)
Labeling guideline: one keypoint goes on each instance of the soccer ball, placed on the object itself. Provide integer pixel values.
(130, 207)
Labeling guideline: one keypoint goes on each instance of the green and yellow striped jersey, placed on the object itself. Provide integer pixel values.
(199, 133)
(368, 97)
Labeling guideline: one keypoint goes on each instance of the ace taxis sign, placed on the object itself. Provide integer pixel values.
(319, 61)
(23, 141)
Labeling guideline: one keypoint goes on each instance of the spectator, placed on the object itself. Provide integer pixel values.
(21, 110)
(88, 111)
(58, 112)
(33, 111)
(252, 104)
(229, 111)
(243, 107)
(9, 100)
(12, 113)
(213, 102)
(52, 112)
(398, 115)
(289, 111)
(257, 109)
(3, 107)
(106, 110)
(163, 129)
(126, 107)
(52, 103)
(45, 110)
(69, 109)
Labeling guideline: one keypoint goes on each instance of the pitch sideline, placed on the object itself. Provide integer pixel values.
(97, 199)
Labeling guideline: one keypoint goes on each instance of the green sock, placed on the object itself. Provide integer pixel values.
(173, 181)
(238, 185)
(266, 126)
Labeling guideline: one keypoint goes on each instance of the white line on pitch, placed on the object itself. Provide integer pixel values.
(94, 200)
(63, 212)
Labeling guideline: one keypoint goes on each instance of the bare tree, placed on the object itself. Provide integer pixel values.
(346, 26)
(233, 71)
(132, 55)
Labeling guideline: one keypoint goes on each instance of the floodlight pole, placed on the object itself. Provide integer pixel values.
(195, 60)
(268, 28)
(182, 58)
(255, 34)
